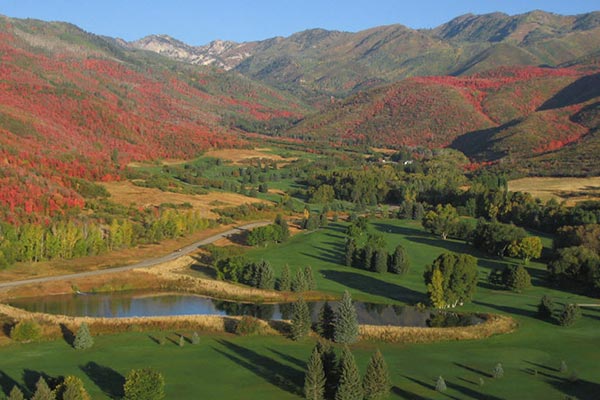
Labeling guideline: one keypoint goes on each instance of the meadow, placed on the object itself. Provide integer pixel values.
(228, 366)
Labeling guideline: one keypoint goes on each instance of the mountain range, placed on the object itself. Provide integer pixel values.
(76, 107)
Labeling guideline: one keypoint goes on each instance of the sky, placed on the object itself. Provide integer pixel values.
(198, 22)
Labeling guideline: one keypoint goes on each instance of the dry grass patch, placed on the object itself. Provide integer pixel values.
(571, 190)
(240, 156)
(127, 193)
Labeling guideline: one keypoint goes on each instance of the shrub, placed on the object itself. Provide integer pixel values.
(247, 326)
(144, 384)
(26, 331)
(546, 307)
(570, 314)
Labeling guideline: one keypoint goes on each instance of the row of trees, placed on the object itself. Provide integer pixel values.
(328, 377)
(277, 232)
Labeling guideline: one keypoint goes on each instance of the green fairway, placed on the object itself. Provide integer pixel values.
(230, 367)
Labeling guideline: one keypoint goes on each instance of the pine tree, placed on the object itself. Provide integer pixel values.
(346, 322)
(83, 338)
(546, 307)
(440, 385)
(329, 361)
(399, 263)
(376, 384)
(195, 338)
(309, 278)
(435, 289)
(181, 341)
(299, 281)
(16, 394)
(42, 391)
(300, 320)
(285, 281)
(349, 386)
(350, 249)
(563, 367)
(570, 314)
(498, 371)
(314, 379)
(380, 261)
(326, 322)
(72, 389)
(144, 384)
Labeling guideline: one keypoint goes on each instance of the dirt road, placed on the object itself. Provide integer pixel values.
(142, 264)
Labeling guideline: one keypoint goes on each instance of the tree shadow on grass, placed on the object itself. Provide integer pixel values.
(107, 379)
(472, 369)
(542, 366)
(31, 378)
(399, 230)
(470, 393)
(274, 372)
(406, 394)
(579, 389)
(374, 286)
(67, 334)
(507, 309)
(333, 254)
(450, 245)
(7, 383)
(290, 359)
(429, 386)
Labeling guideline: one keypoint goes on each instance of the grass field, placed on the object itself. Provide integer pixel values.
(224, 366)
(571, 190)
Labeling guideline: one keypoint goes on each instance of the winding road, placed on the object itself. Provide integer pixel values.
(142, 264)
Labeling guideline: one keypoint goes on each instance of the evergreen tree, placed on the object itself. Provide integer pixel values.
(563, 367)
(349, 386)
(380, 261)
(309, 278)
(326, 322)
(42, 391)
(329, 361)
(570, 314)
(349, 250)
(399, 263)
(517, 278)
(376, 384)
(440, 385)
(314, 379)
(498, 371)
(283, 226)
(367, 257)
(195, 338)
(346, 322)
(299, 281)
(285, 281)
(300, 319)
(72, 389)
(546, 307)
(144, 384)
(16, 394)
(83, 338)
(181, 341)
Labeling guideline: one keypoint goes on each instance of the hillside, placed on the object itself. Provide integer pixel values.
(318, 63)
(507, 113)
(78, 106)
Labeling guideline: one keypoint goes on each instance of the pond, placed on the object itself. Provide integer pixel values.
(132, 304)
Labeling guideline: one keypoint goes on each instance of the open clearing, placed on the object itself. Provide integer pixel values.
(238, 156)
(127, 193)
(570, 189)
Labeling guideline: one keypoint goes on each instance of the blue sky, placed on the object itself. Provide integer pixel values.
(199, 22)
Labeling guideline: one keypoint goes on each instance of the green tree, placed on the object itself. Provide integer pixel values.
(326, 322)
(195, 338)
(83, 338)
(300, 320)
(399, 262)
(283, 228)
(72, 389)
(376, 384)
(26, 331)
(380, 261)
(16, 394)
(346, 321)
(299, 283)
(309, 278)
(285, 280)
(349, 252)
(545, 309)
(440, 385)
(349, 386)
(459, 276)
(569, 315)
(517, 278)
(441, 221)
(526, 248)
(498, 371)
(314, 379)
(435, 289)
(329, 360)
(144, 384)
(42, 391)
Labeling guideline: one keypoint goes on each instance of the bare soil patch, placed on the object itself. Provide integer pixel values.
(127, 193)
(239, 156)
(571, 190)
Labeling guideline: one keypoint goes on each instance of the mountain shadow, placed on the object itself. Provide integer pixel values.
(580, 91)
(478, 144)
